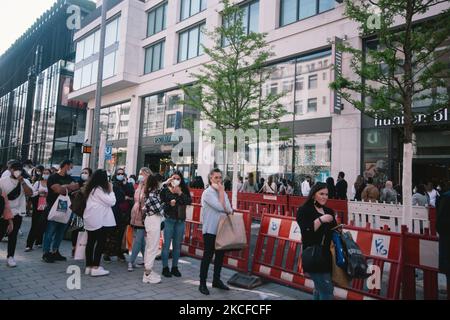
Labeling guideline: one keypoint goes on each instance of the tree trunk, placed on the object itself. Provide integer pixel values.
(407, 184)
(235, 179)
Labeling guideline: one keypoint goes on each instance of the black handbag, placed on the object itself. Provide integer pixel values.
(314, 258)
(15, 193)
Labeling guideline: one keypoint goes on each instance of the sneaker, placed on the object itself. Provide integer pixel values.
(153, 277)
(175, 272)
(130, 266)
(166, 272)
(87, 271)
(11, 262)
(58, 257)
(106, 258)
(48, 257)
(28, 249)
(99, 272)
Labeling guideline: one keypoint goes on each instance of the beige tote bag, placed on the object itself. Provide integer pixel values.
(231, 233)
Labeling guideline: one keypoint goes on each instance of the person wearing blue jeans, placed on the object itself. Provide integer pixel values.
(173, 231)
(138, 246)
(323, 286)
(176, 196)
(59, 183)
(316, 223)
(53, 237)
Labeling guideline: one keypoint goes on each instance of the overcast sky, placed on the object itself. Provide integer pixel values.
(16, 16)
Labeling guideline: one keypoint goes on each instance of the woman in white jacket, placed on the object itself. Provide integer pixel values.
(97, 216)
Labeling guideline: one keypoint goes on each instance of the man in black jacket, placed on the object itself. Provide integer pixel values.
(341, 187)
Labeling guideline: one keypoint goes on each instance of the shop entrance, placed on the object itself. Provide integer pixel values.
(158, 163)
(430, 170)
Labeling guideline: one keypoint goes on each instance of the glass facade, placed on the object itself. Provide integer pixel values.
(154, 57)
(295, 10)
(157, 19)
(114, 121)
(189, 43)
(250, 18)
(87, 56)
(191, 7)
(57, 123)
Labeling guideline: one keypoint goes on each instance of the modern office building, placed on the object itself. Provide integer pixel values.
(153, 45)
(37, 120)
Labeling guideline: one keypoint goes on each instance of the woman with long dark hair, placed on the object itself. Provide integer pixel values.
(358, 188)
(316, 221)
(98, 216)
(124, 193)
(86, 173)
(38, 219)
(175, 194)
(154, 213)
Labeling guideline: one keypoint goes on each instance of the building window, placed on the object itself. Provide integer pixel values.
(299, 84)
(250, 19)
(114, 121)
(157, 19)
(189, 45)
(298, 107)
(191, 7)
(174, 102)
(170, 123)
(324, 76)
(154, 57)
(274, 88)
(324, 100)
(312, 81)
(295, 10)
(287, 86)
(310, 154)
(312, 105)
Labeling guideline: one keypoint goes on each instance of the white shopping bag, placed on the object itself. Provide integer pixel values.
(60, 211)
(80, 249)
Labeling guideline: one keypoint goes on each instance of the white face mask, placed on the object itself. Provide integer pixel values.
(69, 172)
(141, 178)
(84, 176)
(17, 173)
(175, 183)
(45, 176)
(131, 180)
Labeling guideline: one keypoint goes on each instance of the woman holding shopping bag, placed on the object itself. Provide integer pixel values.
(316, 222)
(98, 216)
(38, 220)
(176, 196)
(136, 218)
(153, 216)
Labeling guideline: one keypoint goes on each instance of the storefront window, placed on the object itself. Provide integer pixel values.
(114, 121)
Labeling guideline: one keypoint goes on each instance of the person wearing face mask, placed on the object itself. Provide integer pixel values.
(316, 222)
(38, 221)
(176, 196)
(17, 189)
(86, 173)
(122, 210)
(136, 221)
(58, 183)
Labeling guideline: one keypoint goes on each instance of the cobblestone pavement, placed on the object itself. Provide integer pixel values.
(34, 279)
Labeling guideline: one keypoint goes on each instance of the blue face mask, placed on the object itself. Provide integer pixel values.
(120, 178)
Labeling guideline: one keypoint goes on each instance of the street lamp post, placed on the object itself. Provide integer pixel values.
(98, 92)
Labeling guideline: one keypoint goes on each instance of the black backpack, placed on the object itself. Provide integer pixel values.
(356, 262)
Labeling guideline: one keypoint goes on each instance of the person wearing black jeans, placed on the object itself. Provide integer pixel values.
(12, 237)
(94, 255)
(341, 187)
(215, 204)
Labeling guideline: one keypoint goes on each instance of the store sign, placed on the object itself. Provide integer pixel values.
(164, 139)
(337, 73)
(441, 116)
(87, 149)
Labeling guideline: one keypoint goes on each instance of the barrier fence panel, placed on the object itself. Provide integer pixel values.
(379, 215)
(193, 246)
(278, 258)
(196, 195)
(340, 207)
(263, 203)
(294, 202)
(421, 278)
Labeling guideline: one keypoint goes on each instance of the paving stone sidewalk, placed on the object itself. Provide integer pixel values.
(33, 279)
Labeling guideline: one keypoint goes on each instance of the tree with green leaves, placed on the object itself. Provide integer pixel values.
(408, 68)
(227, 90)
